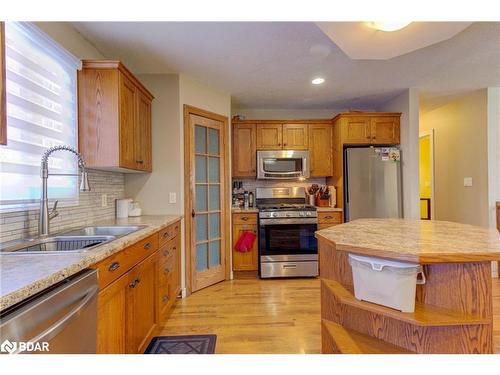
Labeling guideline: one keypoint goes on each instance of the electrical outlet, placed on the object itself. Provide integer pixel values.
(172, 197)
(104, 200)
(468, 181)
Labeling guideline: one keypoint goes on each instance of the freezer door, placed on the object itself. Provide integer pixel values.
(373, 185)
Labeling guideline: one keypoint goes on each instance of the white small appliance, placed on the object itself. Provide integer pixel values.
(122, 207)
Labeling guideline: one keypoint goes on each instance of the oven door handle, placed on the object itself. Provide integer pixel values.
(264, 222)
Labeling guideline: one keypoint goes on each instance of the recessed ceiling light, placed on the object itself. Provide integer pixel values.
(388, 25)
(318, 81)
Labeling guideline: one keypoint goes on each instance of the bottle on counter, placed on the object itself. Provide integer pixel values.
(245, 200)
(251, 200)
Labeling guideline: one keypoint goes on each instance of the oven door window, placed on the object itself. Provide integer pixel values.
(282, 165)
(287, 239)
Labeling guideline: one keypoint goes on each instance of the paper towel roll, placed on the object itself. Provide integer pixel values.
(333, 196)
(122, 207)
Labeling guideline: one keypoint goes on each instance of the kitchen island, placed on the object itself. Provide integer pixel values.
(453, 309)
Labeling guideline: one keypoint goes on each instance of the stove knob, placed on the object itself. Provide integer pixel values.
(302, 213)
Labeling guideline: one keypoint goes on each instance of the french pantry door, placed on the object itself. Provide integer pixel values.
(207, 208)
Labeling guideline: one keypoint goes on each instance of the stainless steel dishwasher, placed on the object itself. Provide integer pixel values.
(61, 319)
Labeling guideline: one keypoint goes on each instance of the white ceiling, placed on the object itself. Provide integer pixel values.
(270, 65)
(361, 42)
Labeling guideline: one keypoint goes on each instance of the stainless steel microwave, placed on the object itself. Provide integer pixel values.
(282, 164)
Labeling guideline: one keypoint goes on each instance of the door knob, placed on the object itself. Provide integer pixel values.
(193, 213)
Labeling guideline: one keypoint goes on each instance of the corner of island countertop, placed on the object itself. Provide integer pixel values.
(23, 275)
(413, 240)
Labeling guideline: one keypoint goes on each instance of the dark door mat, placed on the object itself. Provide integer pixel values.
(192, 344)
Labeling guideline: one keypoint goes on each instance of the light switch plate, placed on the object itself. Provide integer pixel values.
(468, 181)
(172, 198)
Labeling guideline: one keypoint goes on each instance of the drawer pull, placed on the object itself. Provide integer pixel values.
(165, 235)
(328, 217)
(165, 298)
(114, 266)
(147, 246)
(167, 270)
(244, 218)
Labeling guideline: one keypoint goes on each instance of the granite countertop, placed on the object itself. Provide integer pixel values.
(244, 210)
(22, 275)
(329, 209)
(255, 209)
(421, 241)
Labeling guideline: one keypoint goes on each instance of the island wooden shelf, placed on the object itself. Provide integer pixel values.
(424, 315)
(340, 340)
(453, 309)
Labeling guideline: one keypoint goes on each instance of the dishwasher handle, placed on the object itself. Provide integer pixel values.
(58, 326)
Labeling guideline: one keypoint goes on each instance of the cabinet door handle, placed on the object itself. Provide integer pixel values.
(114, 266)
(166, 253)
(134, 283)
(165, 298)
(147, 246)
(140, 161)
(167, 270)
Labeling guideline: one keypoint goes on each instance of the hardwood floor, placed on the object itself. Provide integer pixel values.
(265, 316)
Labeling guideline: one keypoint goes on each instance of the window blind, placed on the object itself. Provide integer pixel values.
(41, 80)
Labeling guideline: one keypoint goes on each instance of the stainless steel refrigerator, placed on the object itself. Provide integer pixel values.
(372, 183)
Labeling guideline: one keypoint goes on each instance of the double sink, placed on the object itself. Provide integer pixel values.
(77, 240)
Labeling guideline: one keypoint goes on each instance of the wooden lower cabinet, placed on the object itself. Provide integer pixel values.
(248, 261)
(112, 317)
(133, 305)
(141, 304)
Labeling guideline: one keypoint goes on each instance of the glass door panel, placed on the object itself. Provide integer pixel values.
(207, 200)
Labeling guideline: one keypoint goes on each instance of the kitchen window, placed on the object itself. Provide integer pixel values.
(41, 83)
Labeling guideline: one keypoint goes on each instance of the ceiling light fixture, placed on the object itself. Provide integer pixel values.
(318, 81)
(388, 25)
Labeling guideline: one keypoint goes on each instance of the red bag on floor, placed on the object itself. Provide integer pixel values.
(245, 242)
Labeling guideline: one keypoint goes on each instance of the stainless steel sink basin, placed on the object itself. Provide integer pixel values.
(57, 244)
(112, 230)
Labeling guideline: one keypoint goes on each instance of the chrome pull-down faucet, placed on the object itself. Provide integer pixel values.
(45, 216)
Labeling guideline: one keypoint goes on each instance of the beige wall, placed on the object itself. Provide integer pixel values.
(460, 131)
(408, 104)
(152, 189)
(68, 37)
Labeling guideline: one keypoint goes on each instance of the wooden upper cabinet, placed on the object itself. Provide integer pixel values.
(269, 136)
(357, 130)
(244, 150)
(3, 94)
(114, 112)
(369, 128)
(295, 136)
(128, 116)
(385, 130)
(143, 147)
(320, 147)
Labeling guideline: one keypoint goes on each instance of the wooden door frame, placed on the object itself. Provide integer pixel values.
(188, 203)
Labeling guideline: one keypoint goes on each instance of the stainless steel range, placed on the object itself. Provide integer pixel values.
(287, 246)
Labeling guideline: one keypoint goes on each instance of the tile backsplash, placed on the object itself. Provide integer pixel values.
(23, 224)
(251, 184)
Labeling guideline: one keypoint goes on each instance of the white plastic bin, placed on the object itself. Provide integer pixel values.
(386, 282)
